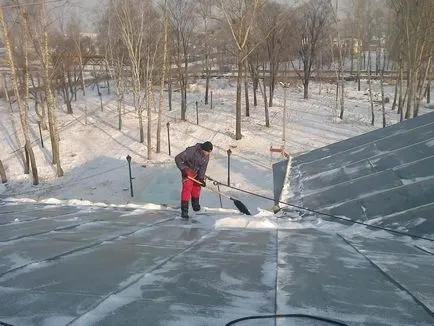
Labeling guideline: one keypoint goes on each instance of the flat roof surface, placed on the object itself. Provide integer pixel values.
(384, 178)
(70, 265)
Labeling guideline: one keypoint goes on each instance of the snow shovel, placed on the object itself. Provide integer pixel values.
(241, 207)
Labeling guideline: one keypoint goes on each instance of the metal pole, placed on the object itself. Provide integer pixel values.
(428, 92)
(284, 116)
(168, 136)
(40, 134)
(220, 196)
(211, 100)
(131, 178)
(197, 113)
(100, 99)
(229, 166)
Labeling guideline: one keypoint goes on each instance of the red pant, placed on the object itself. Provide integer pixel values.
(189, 188)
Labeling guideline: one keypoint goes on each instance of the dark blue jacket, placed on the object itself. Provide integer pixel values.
(193, 159)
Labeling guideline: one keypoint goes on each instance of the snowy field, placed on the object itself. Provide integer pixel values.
(93, 151)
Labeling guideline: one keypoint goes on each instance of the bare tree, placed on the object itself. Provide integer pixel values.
(74, 28)
(130, 20)
(312, 25)
(35, 25)
(272, 28)
(152, 45)
(63, 64)
(183, 22)
(41, 45)
(414, 25)
(22, 107)
(205, 9)
(239, 15)
(110, 40)
(163, 74)
(18, 145)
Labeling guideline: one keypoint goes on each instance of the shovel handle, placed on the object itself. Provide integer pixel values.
(195, 180)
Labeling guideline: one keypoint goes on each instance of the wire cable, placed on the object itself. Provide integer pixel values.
(327, 214)
(277, 316)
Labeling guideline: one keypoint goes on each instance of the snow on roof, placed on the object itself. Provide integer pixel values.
(80, 250)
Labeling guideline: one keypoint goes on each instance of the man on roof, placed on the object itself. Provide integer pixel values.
(193, 162)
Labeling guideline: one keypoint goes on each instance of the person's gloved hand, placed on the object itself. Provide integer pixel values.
(203, 183)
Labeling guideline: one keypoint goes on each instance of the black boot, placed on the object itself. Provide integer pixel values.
(184, 209)
(195, 204)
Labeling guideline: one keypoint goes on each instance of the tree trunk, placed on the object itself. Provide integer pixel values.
(163, 76)
(75, 84)
(358, 76)
(6, 91)
(253, 74)
(207, 70)
(108, 77)
(238, 135)
(170, 91)
(141, 128)
(410, 92)
(306, 75)
(21, 106)
(14, 127)
(400, 90)
(395, 96)
(66, 93)
(139, 110)
(274, 68)
(184, 83)
(428, 91)
(70, 83)
(149, 124)
(306, 88)
(183, 105)
(267, 114)
(246, 89)
(3, 173)
(421, 87)
(51, 104)
(342, 80)
(371, 100)
(80, 61)
(383, 109)
(119, 93)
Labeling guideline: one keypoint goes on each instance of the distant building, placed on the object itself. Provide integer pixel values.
(92, 36)
(351, 45)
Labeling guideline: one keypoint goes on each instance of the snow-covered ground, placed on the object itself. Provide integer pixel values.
(94, 151)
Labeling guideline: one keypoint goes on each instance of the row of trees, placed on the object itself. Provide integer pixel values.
(26, 41)
(146, 46)
(261, 35)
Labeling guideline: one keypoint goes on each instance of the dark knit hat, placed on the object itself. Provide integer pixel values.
(206, 146)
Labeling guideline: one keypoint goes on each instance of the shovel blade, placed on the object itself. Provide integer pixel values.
(241, 207)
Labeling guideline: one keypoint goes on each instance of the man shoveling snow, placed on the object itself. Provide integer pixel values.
(192, 163)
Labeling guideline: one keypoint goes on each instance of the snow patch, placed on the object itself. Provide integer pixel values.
(231, 222)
